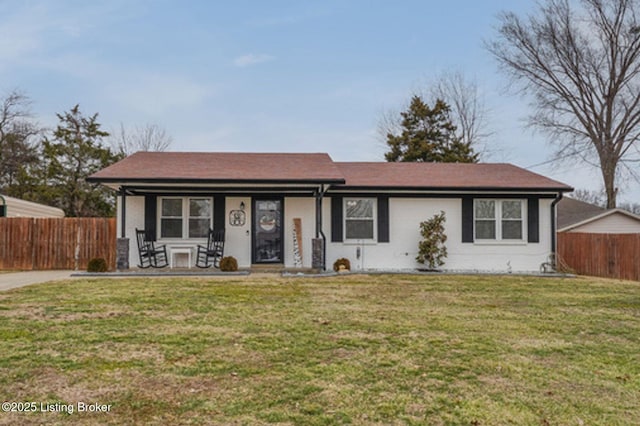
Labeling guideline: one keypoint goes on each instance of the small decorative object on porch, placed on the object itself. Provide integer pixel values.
(297, 237)
(150, 254)
(228, 264)
(97, 264)
(431, 250)
(213, 252)
(342, 265)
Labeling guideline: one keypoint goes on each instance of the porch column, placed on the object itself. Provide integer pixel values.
(122, 243)
(318, 244)
(123, 212)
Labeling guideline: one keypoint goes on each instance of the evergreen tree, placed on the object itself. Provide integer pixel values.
(428, 135)
(74, 152)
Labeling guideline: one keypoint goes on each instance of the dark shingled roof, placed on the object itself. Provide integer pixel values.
(226, 167)
(445, 176)
(571, 211)
(221, 167)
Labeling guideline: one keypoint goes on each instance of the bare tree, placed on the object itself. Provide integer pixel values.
(581, 67)
(468, 112)
(18, 149)
(596, 198)
(631, 207)
(150, 137)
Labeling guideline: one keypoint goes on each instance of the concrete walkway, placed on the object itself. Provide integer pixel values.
(21, 279)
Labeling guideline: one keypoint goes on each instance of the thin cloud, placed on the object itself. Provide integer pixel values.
(251, 59)
(158, 94)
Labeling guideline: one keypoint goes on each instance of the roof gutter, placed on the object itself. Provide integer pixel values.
(182, 181)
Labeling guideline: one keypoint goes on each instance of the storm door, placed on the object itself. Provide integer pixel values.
(267, 231)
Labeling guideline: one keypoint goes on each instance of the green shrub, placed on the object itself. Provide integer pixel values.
(342, 261)
(97, 264)
(228, 264)
(431, 250)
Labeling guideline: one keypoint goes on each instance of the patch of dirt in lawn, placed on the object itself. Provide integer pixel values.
(38, 312)
(129, 352)
(48, 385)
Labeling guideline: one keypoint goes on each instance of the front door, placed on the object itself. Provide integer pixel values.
(267, 231)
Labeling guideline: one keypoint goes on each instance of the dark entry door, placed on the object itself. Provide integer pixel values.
(267, 231)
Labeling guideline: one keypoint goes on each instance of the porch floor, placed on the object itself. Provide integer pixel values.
(197, 272)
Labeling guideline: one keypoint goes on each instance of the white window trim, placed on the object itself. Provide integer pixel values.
(374, 220)
(498, 219)
(185, 218)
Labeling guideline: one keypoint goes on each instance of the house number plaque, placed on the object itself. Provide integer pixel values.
(237, 218)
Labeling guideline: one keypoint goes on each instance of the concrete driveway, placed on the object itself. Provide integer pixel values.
(21, 279)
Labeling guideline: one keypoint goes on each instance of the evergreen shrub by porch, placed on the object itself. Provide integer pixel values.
(228, 264)
(342, 261)
(431, 250)
(97, 264)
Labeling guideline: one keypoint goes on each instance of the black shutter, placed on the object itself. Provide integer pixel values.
(533, 220)
(467, 219)
(150, 214)
(383, 219)
(219, 213)
(336, 219)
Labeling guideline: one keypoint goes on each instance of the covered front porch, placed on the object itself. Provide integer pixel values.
(265, 228)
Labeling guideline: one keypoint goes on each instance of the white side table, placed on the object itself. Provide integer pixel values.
(179, 250)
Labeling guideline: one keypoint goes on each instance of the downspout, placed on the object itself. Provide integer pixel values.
(553, 231)
(4, 210)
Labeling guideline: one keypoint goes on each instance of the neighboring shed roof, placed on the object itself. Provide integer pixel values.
(222, 167)
(578, 216)
(445, 176)
(183, 167)
(572, 211)
(22, 208)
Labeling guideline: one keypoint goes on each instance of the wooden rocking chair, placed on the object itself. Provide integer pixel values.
(150, 254)
(213, 252)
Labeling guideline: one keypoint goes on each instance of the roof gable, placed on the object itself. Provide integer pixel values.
(603, 216)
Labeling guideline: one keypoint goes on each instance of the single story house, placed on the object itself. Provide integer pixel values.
(579, 216)
(15, 207)
(306, 210)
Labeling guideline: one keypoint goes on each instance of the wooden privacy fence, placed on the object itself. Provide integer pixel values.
(601, 255)
(67, 243)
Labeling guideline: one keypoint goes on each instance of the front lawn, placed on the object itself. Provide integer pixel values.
(345, 350)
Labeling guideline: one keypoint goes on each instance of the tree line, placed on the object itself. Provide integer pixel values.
(50, 166)
(577, 62)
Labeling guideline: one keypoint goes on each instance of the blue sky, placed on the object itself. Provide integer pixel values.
(279, 76)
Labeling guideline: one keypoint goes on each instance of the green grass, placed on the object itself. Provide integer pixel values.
(345, 350)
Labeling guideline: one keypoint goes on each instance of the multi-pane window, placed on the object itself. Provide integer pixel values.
(171, 218)
(498, 219)
(485, 219)
(511, 220)
(359, 218)
(185, 217)
(199, 217)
